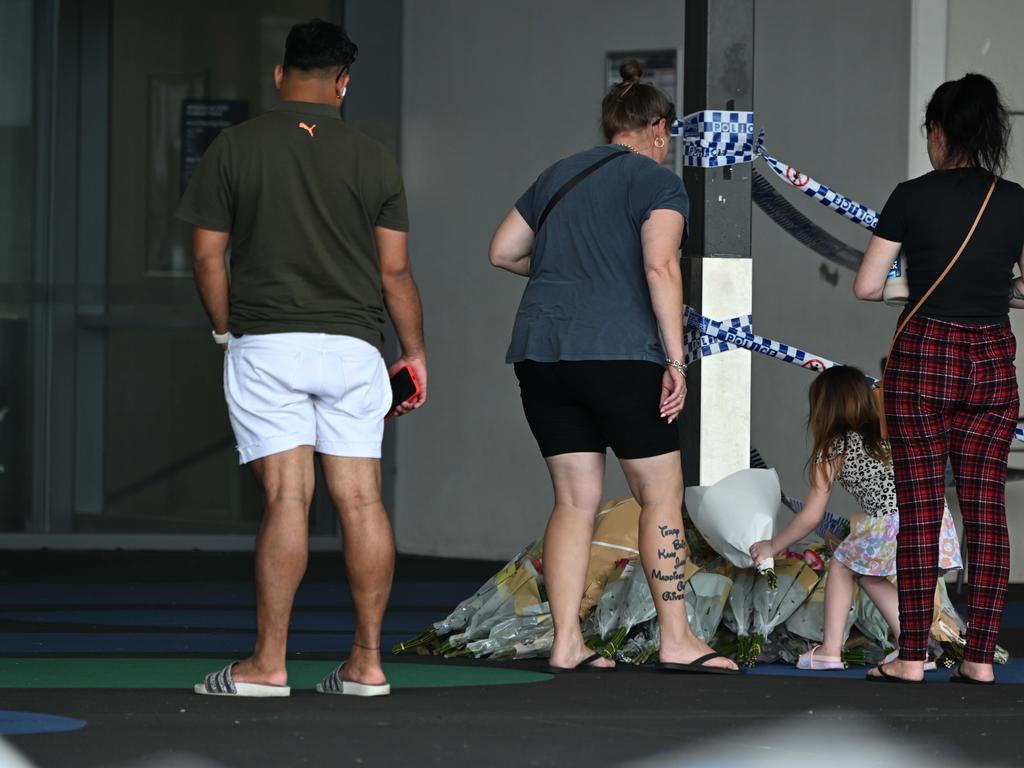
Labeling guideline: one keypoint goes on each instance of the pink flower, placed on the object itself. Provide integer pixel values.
(814, 560)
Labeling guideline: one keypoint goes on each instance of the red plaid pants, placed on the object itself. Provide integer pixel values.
(951, 391)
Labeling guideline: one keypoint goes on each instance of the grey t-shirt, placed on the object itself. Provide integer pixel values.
(587, 296)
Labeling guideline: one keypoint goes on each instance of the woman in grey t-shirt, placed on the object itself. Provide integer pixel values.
(597, 347)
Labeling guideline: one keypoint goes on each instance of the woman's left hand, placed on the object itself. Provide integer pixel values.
(673, 394)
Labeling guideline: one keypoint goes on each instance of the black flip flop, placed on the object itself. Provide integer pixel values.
(697, 667)
(583, 666)
(956, 676)
(885, 677)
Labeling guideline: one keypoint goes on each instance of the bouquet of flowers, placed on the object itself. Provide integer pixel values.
(707, 592)
(737, 511)
(738, 610)
(948, 630)
(642, 645)
(808, 620)
(770, 607)
(626, 603)
(517, 596)
(616, 531)
(868, 619)
(519, 637)
(430, 640)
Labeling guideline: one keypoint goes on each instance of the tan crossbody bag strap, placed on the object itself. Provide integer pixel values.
(945, 272)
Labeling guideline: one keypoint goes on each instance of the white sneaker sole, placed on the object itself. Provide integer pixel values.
(349, 688)
(248, 691)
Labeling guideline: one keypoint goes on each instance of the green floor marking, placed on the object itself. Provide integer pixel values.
(183, 673)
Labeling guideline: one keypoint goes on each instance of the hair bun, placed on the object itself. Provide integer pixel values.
(631, 71)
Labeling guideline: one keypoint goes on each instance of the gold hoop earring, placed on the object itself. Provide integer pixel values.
(659, 142)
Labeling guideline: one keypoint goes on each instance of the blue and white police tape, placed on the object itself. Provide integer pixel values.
(841, 204)
(717, 138)
(696, 340)
(714, 157)
(706, 337)
(714, 121)
(716, 337)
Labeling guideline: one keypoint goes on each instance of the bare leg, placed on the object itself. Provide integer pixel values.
(354, 485)
(578, 480)
(885, 596)
(281, 551)
(838, 599)
(657, 484)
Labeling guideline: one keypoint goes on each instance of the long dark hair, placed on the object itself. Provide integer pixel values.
(632, 104)
(841, 402)
(973, 120)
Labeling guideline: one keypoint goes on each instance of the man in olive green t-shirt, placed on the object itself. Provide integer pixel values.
(315, 215)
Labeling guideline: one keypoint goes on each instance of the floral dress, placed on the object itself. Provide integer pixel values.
(870, 549)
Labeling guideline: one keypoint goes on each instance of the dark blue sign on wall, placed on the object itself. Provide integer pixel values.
(201, 121)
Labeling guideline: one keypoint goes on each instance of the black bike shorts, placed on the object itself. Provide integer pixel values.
(587, 406)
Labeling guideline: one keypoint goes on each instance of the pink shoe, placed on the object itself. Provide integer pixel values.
(929, 666)
(810, 661)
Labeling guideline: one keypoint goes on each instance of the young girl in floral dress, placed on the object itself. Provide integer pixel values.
(849, 449)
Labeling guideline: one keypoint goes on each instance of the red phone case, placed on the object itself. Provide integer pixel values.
(400, 391)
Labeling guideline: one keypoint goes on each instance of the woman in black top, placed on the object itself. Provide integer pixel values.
(950, 384)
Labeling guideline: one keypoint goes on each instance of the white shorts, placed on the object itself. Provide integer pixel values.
(289, 389)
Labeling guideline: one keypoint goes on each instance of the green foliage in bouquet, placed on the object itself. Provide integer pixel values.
(700, 551)
(626, 603)
(948, 631)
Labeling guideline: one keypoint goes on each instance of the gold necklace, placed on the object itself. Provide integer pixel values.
(630, 147)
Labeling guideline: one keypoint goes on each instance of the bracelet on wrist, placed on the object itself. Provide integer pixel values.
(678, 365)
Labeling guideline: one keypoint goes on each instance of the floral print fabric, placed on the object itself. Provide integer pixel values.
(870, 549)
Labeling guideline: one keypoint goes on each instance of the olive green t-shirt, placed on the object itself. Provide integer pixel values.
(300, 192)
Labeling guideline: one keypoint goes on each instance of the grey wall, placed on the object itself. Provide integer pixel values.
(492, 93)
(839, 114)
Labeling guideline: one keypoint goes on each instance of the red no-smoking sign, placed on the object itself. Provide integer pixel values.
(796, 178)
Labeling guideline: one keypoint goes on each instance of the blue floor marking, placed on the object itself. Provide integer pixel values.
(317, 595)
(16, 723)
(1005, 673)
(178, 643)
(214, 619)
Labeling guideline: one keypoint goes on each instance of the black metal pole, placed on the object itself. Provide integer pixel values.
(718, 74)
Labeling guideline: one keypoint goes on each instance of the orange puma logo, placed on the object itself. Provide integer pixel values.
(308, 128)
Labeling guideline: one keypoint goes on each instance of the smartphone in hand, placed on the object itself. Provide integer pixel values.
(404, 388)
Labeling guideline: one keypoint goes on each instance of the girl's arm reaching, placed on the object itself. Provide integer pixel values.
(805, 521)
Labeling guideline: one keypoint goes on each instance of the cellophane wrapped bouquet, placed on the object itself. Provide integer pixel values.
(738, 610)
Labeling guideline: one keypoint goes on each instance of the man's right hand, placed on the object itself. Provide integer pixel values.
(418, 366)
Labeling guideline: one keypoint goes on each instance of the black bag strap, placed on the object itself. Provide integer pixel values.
(573, 182)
